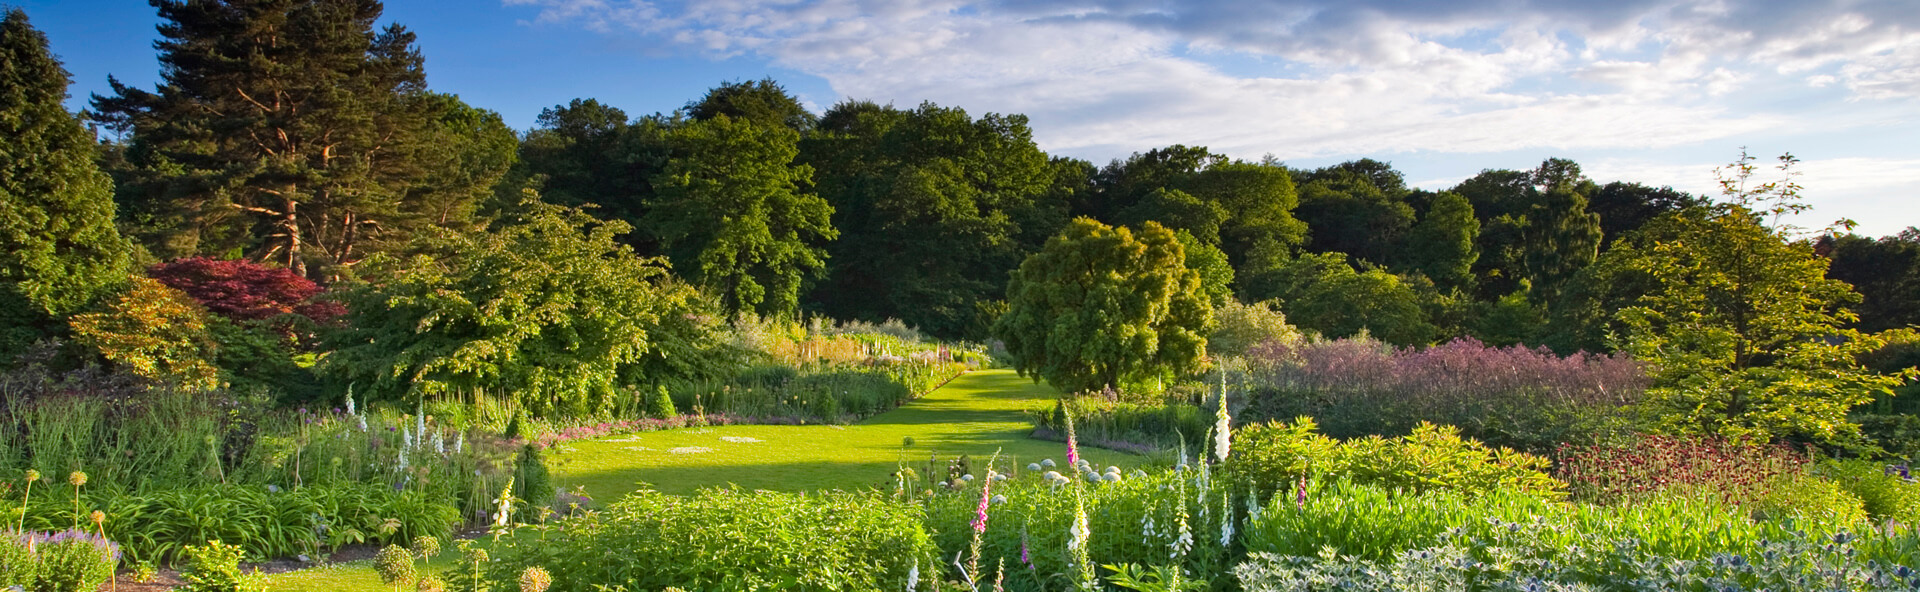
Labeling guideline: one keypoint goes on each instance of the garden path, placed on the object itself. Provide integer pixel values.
(975, 414)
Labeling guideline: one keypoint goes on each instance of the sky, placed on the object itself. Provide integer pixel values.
(1654, 91)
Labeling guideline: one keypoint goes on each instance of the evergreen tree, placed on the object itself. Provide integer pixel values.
(59, 250)
(291, 130)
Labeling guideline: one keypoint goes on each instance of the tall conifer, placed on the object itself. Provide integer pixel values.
(59, 250)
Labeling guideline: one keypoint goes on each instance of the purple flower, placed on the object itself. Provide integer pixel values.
(1300, 495)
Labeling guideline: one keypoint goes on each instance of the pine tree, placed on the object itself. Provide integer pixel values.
(59, 250)
(291, 130)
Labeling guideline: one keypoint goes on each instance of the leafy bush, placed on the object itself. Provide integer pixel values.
(532, 483)
(159, 525)
(1270, 458)
(215, 567)
(73, 561)
(726, 539)
(1800, 495)
(1529, 399)
(241, 289)
(18, 566)
(1243, 326)
(154, 331)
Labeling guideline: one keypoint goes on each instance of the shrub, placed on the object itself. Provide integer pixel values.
(244, 290)
(1520, 560)
(74, 561)
(1800, 495)
(155, 331)
(1272, 457)
(18, 566)
(726, 539)
(215, 567)
(1243, 326)
(662, 407)
(532, 483)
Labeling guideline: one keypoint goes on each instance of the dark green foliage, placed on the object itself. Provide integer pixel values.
(1358, 208)
(729, 539)
(59, 250)
(1624, 207)
(731, 216)
(532, 484)
(1885, 271)
(292, 131)
(547, 307)
(1099, 306)
(586, 152)
(1536, 229)
(763, 102)
(934, 207)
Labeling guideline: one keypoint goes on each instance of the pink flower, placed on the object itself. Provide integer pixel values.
(986, 497)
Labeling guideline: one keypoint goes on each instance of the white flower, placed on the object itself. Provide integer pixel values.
(1035, 467)
(999, 499)
(913, 576)
(968, 478)
(1046, 462)
(1052, 476)
(1112, 470)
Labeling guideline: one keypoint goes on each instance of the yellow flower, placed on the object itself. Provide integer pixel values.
(77, 478)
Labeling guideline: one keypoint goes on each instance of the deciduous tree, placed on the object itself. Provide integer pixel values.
(1100, 305)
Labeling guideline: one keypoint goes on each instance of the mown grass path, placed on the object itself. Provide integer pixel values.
(974, 414)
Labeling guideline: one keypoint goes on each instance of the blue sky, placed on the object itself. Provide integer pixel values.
(1657, 91)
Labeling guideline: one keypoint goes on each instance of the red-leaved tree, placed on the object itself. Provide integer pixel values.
(244, 290)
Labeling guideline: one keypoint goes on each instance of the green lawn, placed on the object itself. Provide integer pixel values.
(976, 414)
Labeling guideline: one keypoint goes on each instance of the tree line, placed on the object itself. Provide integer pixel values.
(300, 135)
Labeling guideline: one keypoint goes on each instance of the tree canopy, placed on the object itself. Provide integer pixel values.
(1101, 305)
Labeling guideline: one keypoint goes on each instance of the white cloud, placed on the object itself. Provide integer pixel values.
(1876, 192)
(1101, 78)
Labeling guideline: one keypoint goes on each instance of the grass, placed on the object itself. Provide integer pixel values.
(976, 414)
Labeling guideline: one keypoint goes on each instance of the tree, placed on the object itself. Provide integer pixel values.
(1536, 232)
(1216, 276)
(1886, 272)
(730, 211)
(291, 130)
(1358, 208)
(1624, 206)
(1101, 305)
(1441, 246)
(59, 250)
(1746, 330)
(547, 307)
(933, 207)
(1323, 293)
(763, 102)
